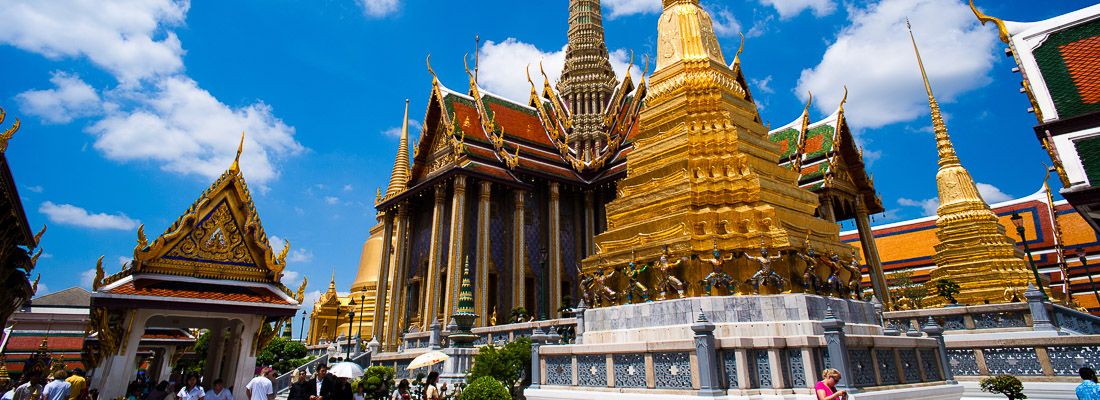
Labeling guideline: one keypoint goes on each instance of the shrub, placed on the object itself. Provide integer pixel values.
(1007, 385)
(485, 388)
(378, 381)
(509, 365)
(947, 289)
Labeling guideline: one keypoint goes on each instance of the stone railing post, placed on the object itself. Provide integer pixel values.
(579, 314)
(537, 336)
(374, 346)
(935, 331)
(838, 349)
(706, 352)
(1037, 304)
(435, 338)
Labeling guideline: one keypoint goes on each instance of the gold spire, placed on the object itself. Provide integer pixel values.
(236, 167)
(973, 249)
(400, 175)
(943, 141)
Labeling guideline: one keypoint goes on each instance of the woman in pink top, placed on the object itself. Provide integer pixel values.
(826, 387)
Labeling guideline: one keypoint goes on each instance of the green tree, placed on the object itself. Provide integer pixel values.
(509, 365)
(377, 381)
(947, 289)
(196, 364)
(908, 293)
(283, 354)
(1007, 385)
(485, 388)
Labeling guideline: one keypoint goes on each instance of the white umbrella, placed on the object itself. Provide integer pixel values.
(427, 359)
(346, 369)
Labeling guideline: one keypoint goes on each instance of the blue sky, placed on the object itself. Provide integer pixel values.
(130, 109)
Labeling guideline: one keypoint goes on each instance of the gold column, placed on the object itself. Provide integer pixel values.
(870, 254)
(435, 262)
(589, 224)
(827, 209)
(519, 252)
(382, 285)
(455, 251)
(394, 321)
(482, 286)
(555, 252)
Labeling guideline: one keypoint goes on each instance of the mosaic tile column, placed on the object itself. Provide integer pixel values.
(519, 252)
(870, 255)
(396, 302)
(382, 285)
(555, 252)
(483, 254)
(589, 223)
(435, 262)
(456, 251)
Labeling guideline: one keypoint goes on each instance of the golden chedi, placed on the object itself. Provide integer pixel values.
(974, 250)
(704, 177)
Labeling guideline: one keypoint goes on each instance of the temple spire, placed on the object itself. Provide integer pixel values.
(943, 140)
(587, 80)
(400, 175)
(236, 166)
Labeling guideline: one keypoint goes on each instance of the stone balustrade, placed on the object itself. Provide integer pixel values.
(1035, 358)
(1007, 317)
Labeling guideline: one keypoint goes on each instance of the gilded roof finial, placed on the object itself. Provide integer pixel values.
(843, 99)
(99, 273)
(38, 236)
(7, 134)
(943, 141)
(301, 294)
(428, 61)
(236, 167)
(796, 165)
(737, 56)
(1001, 29)
(399, 177)
(477, 54)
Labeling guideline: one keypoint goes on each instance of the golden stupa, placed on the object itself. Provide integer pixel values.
(974, 250)
(703, 175)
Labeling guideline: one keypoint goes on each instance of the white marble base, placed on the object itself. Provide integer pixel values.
(937, 392)
(1033, 390)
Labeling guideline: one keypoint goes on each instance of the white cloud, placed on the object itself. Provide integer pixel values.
(296, 254)
(992, 194)
(68, 214)
(927, 206)
(414, 128)
(86, 278)
(618, 8)
(71, 98)
(791, 8)
(157, 114)
(185, 130)
(42, 290)
(300, 255)
(503, 67)
(36, 188)
(874, 58)
(332, 200)
(125, 38)
(123, 260)
(763, 84)
(291, 277)
(725, 24)
(348, 187)
(379, 8)
(310, 298)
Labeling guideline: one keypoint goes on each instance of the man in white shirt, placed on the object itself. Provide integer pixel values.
(58, 389)
(260, 388)
(219, 392)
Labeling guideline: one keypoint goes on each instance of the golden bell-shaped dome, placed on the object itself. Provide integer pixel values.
(370, 260)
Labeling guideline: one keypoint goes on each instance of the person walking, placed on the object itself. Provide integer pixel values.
(31, 389)
(57, 389)
(402, 392)
(78, 385)
(1088, 389)
(191, 389)
(299, 386)
(219, 392)
(322, 386)
(260, 387)
(431, 392)
(826, 387)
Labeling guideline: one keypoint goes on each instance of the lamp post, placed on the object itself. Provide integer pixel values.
(302, 329)
(351, 321)
(351, 317)
(544, 313)
(1083, 257)
(1019, 222)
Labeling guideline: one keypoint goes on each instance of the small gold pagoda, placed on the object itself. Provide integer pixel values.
(703, 175)
(974, 250)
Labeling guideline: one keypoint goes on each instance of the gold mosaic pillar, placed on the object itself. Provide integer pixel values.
(381, 312)
(455, 251)
(482, 286)
(589, 223)
(395, 319)
(555, 252)
(870, 254)
(430, 293)
(519, 252)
